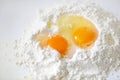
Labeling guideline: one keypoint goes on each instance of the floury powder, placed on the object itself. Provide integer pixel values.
(93, 64)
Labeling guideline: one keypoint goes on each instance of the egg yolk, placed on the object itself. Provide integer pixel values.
(84, 36)
(58, 43)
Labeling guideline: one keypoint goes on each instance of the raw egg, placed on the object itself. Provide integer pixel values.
(73, 31)
(78, 29)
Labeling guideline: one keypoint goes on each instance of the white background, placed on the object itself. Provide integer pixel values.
(15, 15)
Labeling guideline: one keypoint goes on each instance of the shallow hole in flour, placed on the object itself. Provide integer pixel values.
(73, 31)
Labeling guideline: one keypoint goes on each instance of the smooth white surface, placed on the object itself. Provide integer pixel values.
(15, 15)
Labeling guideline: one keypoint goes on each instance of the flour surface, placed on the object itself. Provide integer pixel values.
(93, 64)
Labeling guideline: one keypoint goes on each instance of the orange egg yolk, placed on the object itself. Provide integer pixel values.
(58, 43)
(84, 36)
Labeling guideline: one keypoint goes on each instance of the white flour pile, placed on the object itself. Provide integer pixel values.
(93, 64)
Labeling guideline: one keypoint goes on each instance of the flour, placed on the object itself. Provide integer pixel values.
(93, 64)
